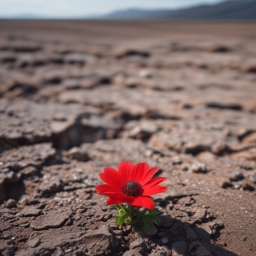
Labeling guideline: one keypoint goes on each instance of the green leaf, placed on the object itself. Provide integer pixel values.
(144, 227)
(117, 206)
(151, 214)
(154, 218)
(120, 219)
(124, 208)
(145, 224)
(146, 219)
(121, 209)
(123, 214)
(154, 211)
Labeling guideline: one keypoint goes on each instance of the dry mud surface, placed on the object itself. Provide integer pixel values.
(78, 96)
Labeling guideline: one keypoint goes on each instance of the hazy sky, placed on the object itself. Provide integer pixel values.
(75, 8)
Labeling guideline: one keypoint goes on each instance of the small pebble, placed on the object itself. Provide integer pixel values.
(176, 160)
(79, 170)
(236, 176)
(11, 203)
(237, 186)
(165, 240)
(148, 153)
(139, 243)
(225, 184)
(152, 231)
(247, 186)
(34, 242)
(185, 168)
(24, 225)
(198, 167)
(145, 74)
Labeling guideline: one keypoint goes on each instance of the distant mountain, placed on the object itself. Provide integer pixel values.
(232, 9)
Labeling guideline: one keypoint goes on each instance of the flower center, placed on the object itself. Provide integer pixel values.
(131, 188)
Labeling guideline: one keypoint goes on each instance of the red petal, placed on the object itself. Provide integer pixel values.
(139, 171)
(154, 190)
(149, 175)
(111, 201)
(106, 189)
(144, 201)
(119, 197)
(125, 171)
(111, 176)
(154, 182)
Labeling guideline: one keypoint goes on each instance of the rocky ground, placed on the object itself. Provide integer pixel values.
(79, 96)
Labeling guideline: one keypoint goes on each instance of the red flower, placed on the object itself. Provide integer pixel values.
(130, 184)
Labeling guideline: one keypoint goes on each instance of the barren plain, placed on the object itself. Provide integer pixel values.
(78, 96)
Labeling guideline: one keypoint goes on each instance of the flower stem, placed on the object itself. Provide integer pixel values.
(130, 207)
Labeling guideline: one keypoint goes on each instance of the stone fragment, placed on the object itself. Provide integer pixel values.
(176, 160)
(152, 231)
(164, 240)
(194, 245)
(54, 184)
(145, 73)
(30, 211)
(190, 234)
(179, 249)
(177, 229)
(224, 184)
(79, 253)
(140, 244)
(166, 221)
(247, 186)
(11, 203)
(212, 227)
(198, 168)
(220, 148)
(29, 171)
(132, 253)
(76, 153)
(202, 251)
(53, 219)
(199, 215)
(186, 201)
(189, 141)
(6, 179)
(24, 156)
(161, 251)
(34, 242)
(236, 176)
(124, 52)
(100, 241)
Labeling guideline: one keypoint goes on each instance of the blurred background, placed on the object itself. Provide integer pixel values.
(131, 61)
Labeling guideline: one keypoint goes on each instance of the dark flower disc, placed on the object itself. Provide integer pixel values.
(131, 188)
